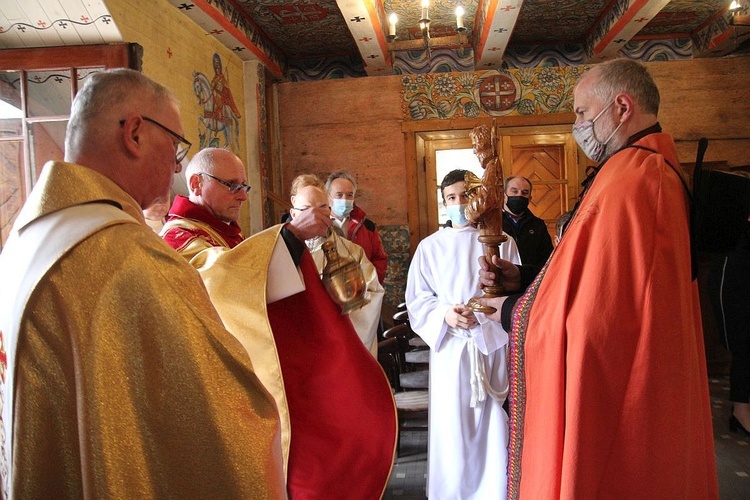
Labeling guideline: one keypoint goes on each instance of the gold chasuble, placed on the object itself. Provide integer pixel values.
(337, 411)
(126, 383)
(236, 281)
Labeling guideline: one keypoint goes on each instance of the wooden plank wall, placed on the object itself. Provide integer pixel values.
(707, 98)
(356, 125)
(353, 125)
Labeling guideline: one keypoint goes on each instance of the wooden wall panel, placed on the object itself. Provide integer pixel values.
(352, 125)
(706, 98)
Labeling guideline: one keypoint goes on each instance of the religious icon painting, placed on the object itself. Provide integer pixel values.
(218, 125)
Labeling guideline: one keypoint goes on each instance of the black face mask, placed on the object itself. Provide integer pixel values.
(517, 204)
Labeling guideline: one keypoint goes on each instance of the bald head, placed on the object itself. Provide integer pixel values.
(208, 174)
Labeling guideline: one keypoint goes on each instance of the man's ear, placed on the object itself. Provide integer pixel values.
(195, 183)
(624, 106)
(130, 132)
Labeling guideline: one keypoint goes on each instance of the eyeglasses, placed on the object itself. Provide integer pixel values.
(182, 147)
(324, 207)
(234, 187)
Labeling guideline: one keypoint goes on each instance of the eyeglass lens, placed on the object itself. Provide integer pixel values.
(234, 187)
(182, 151)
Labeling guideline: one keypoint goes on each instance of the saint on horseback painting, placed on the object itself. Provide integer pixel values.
(218, 126)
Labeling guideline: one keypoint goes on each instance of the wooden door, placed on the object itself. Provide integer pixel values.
(549, 161)
(545, 154)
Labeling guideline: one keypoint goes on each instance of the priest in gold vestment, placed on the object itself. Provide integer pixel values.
(118, 377)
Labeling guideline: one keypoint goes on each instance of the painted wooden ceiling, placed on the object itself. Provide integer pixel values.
(284, 34)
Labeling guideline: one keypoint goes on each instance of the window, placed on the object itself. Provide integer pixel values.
(37, 87)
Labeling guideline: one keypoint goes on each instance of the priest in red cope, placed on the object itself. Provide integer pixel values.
(608, 390)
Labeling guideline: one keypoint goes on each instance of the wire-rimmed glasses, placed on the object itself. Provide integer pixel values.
(183, 146)
(234, 187)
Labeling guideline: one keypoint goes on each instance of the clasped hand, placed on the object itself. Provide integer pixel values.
(503, 273)
(460, 316)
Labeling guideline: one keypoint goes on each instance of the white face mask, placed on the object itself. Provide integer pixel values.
(342, 207)
(585, 136)
(457, 215)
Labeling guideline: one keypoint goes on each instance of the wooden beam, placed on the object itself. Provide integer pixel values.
(365, 20)
(725, 38)
(235, 32)
(618, 26)
(496, 21)
(501, 121)
(458, 40)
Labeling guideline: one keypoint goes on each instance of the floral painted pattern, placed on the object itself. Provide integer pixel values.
(525, 91)
(396, 243)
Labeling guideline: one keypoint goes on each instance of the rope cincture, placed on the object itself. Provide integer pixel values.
(480, 386)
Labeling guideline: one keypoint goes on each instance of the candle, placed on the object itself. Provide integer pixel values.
(459, 18)
(425, 6)
(392, 20)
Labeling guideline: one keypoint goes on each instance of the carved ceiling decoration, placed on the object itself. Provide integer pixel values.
(335, 38)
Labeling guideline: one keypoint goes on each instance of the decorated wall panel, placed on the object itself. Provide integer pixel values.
(526, 91)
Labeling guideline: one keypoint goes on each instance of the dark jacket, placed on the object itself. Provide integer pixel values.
(532, 238)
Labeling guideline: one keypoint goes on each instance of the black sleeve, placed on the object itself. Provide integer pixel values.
(294, 245)
(547, 246)
(528, 273)
(507, 310)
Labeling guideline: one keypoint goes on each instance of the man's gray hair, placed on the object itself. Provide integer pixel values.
(508, 179)
(104, 93)
(625, 75)
(340, 175)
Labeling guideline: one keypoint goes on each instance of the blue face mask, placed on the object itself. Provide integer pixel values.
(342, 207)
(457, 215)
